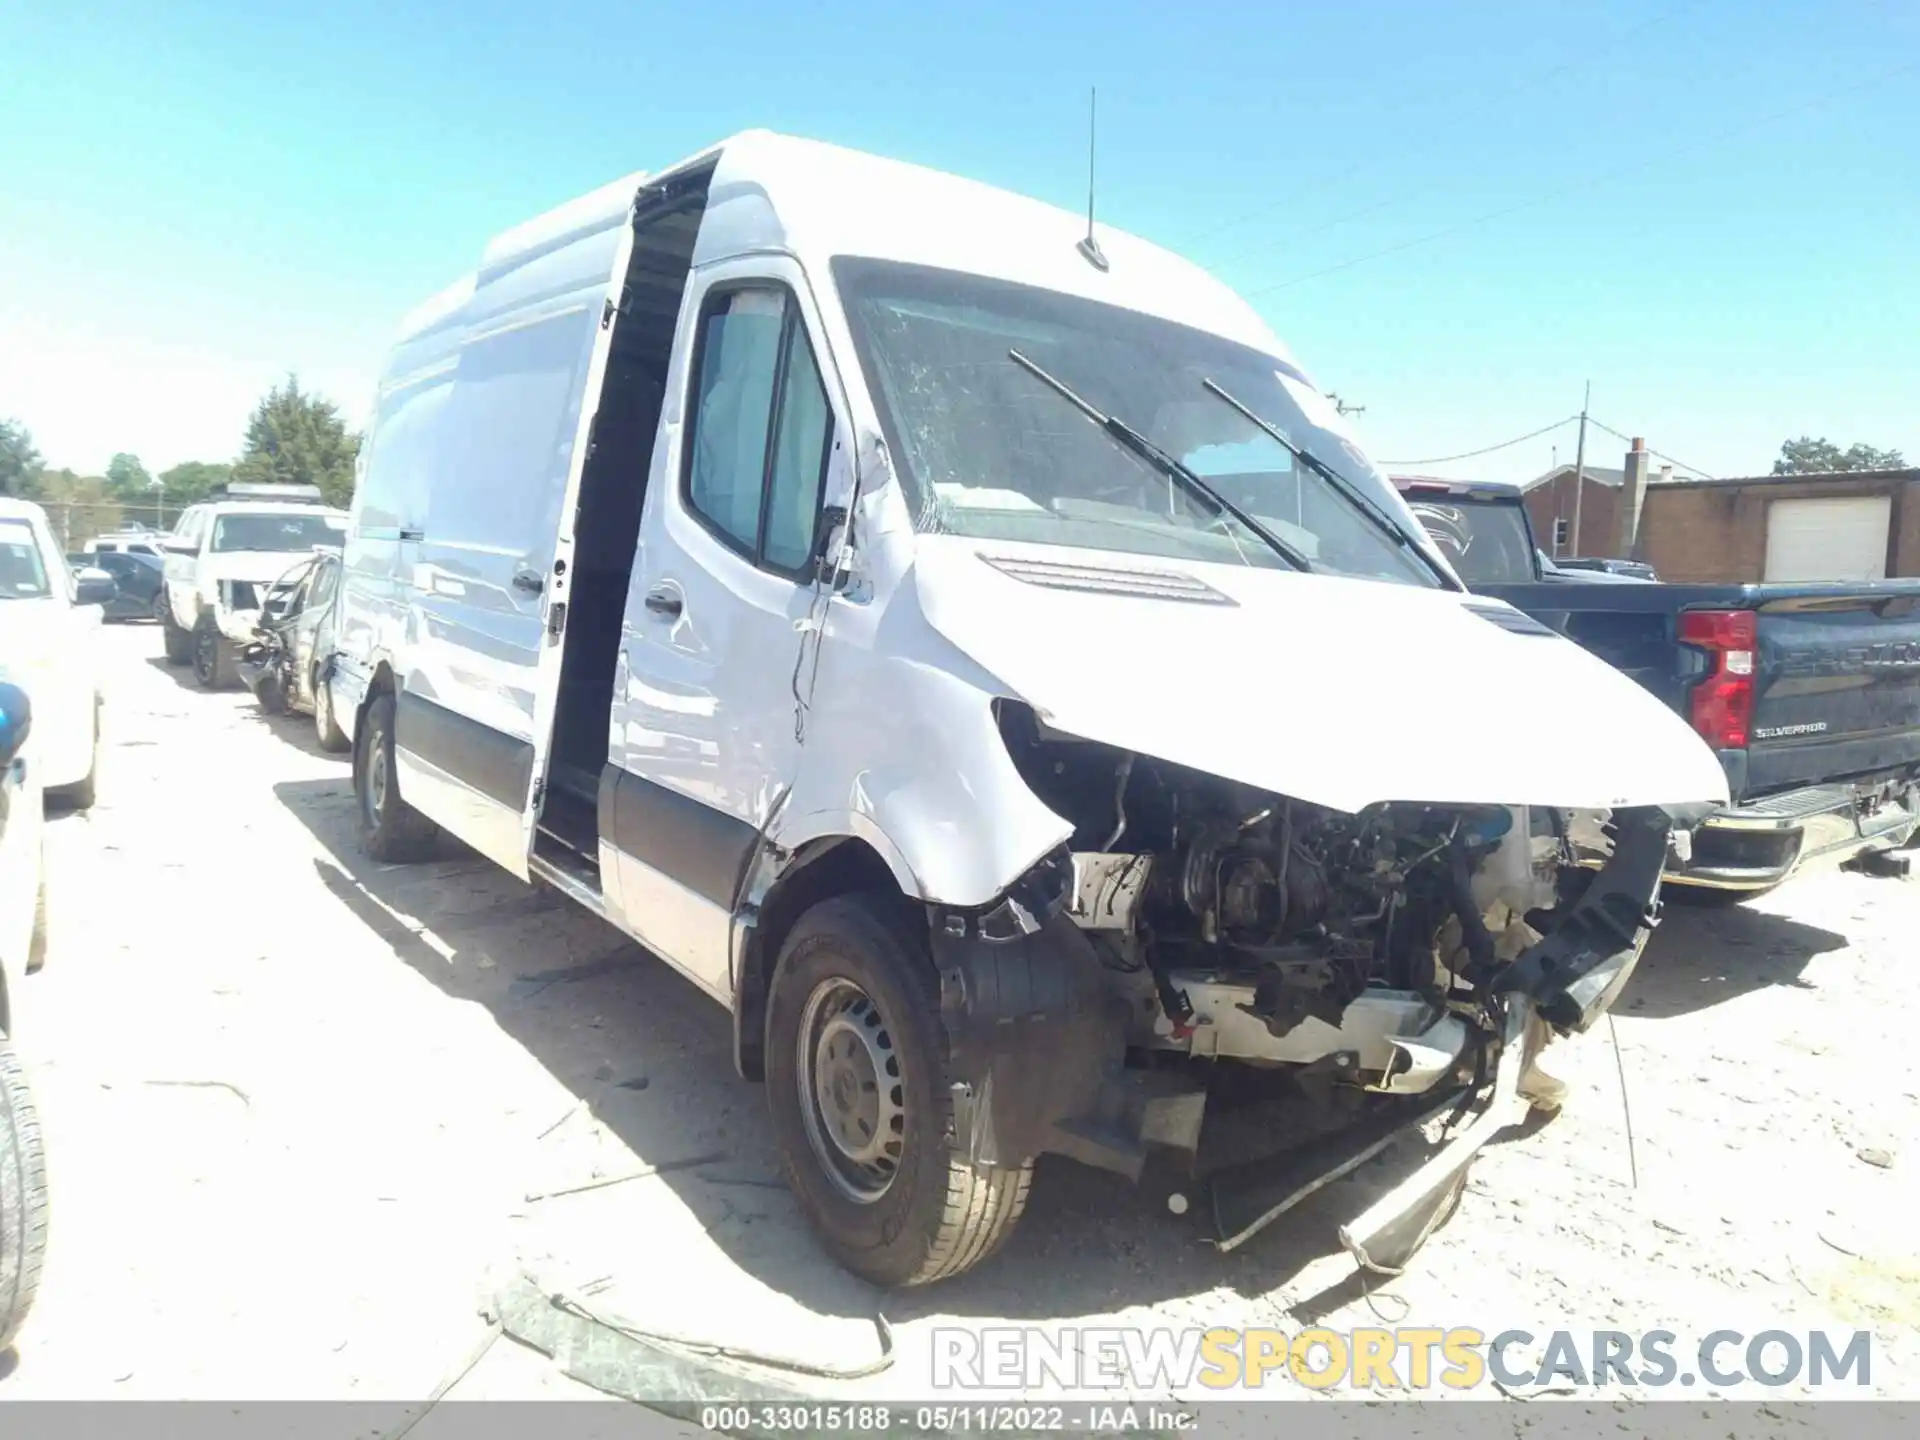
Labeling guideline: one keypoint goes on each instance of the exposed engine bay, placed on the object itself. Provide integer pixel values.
(1409, 950)
(1255, 923)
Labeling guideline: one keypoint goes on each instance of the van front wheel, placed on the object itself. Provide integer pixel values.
(391, 830)
(858, 1085)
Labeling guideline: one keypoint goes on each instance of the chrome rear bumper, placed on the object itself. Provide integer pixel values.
(1758, 845)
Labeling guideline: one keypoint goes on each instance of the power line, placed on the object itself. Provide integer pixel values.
(1589, 181)
(1497, 101)
(1690, 469)
(1488, 450)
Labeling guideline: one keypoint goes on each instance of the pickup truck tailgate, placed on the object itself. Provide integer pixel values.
(1836, 690)
(1837, 685)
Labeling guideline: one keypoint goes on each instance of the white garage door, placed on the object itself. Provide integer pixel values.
(1838, 539)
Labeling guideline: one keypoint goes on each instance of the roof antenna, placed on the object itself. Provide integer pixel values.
(1090, 247)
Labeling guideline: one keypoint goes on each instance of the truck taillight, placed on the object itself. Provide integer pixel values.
(1722, 707)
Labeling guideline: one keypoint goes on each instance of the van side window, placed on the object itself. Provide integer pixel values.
(757, 442)
(799, 461)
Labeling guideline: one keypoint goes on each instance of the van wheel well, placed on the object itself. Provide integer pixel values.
(380, 684)
(817, 872)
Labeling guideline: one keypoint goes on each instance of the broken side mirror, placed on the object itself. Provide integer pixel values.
(833, 553)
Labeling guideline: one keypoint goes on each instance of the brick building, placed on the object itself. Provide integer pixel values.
(1550, 508)
(1848, 525)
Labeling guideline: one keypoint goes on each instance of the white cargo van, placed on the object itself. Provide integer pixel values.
(974, 653)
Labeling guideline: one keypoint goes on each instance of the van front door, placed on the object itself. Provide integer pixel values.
(487, 603)
(707, 690)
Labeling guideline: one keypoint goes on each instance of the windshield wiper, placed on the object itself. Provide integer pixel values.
(1342, 486)
(1136, 444)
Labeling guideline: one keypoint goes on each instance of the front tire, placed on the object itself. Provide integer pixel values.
(23, 1197)
(391, 831)
(214, 663)
(178, 642)
(326, 729)
(858, 1084)
(82, 793)
(271, 695)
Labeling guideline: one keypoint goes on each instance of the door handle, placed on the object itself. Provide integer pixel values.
(529, 581)
(664, 602)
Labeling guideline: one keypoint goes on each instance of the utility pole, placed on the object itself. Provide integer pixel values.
(1580, 472)
(1341, 407)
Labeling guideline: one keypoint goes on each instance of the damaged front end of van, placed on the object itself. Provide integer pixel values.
(1236, 997)
(1298, 916)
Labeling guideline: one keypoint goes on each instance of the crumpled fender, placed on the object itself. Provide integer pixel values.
(903, 752)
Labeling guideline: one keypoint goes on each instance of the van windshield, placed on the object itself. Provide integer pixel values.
(287, 533)
(985, 449)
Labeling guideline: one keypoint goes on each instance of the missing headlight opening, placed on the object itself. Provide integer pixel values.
(1364, 972)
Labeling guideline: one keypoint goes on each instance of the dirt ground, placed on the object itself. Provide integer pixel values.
(301, 1111)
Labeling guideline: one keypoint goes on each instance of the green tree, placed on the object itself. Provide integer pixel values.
(19, 461)
(78, 506)
(128, 477)
(192, 480)
(1808, 456)
(294, 438)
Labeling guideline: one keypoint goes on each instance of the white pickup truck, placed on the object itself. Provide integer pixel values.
(49, 623)
(221, 559)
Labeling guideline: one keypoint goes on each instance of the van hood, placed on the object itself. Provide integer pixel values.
(1335, 691)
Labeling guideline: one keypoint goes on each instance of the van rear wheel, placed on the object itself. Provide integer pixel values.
(858, 1085)
(391, 830)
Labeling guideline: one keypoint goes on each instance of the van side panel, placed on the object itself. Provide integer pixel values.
(457, 522)
(389, 510)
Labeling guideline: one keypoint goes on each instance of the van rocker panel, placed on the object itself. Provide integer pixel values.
(494, 764)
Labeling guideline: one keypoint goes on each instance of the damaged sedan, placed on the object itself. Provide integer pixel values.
(968, 647)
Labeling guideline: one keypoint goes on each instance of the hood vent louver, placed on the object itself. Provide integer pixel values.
(1099, 580)
(1507, 618)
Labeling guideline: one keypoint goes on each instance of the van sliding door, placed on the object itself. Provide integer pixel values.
(490, 585)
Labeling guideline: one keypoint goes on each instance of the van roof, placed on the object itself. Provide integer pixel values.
(813, 201)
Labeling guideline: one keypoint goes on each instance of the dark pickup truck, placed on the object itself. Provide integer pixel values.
(1810, 693)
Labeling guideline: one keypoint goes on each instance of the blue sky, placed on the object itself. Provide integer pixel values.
(1709, 209)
